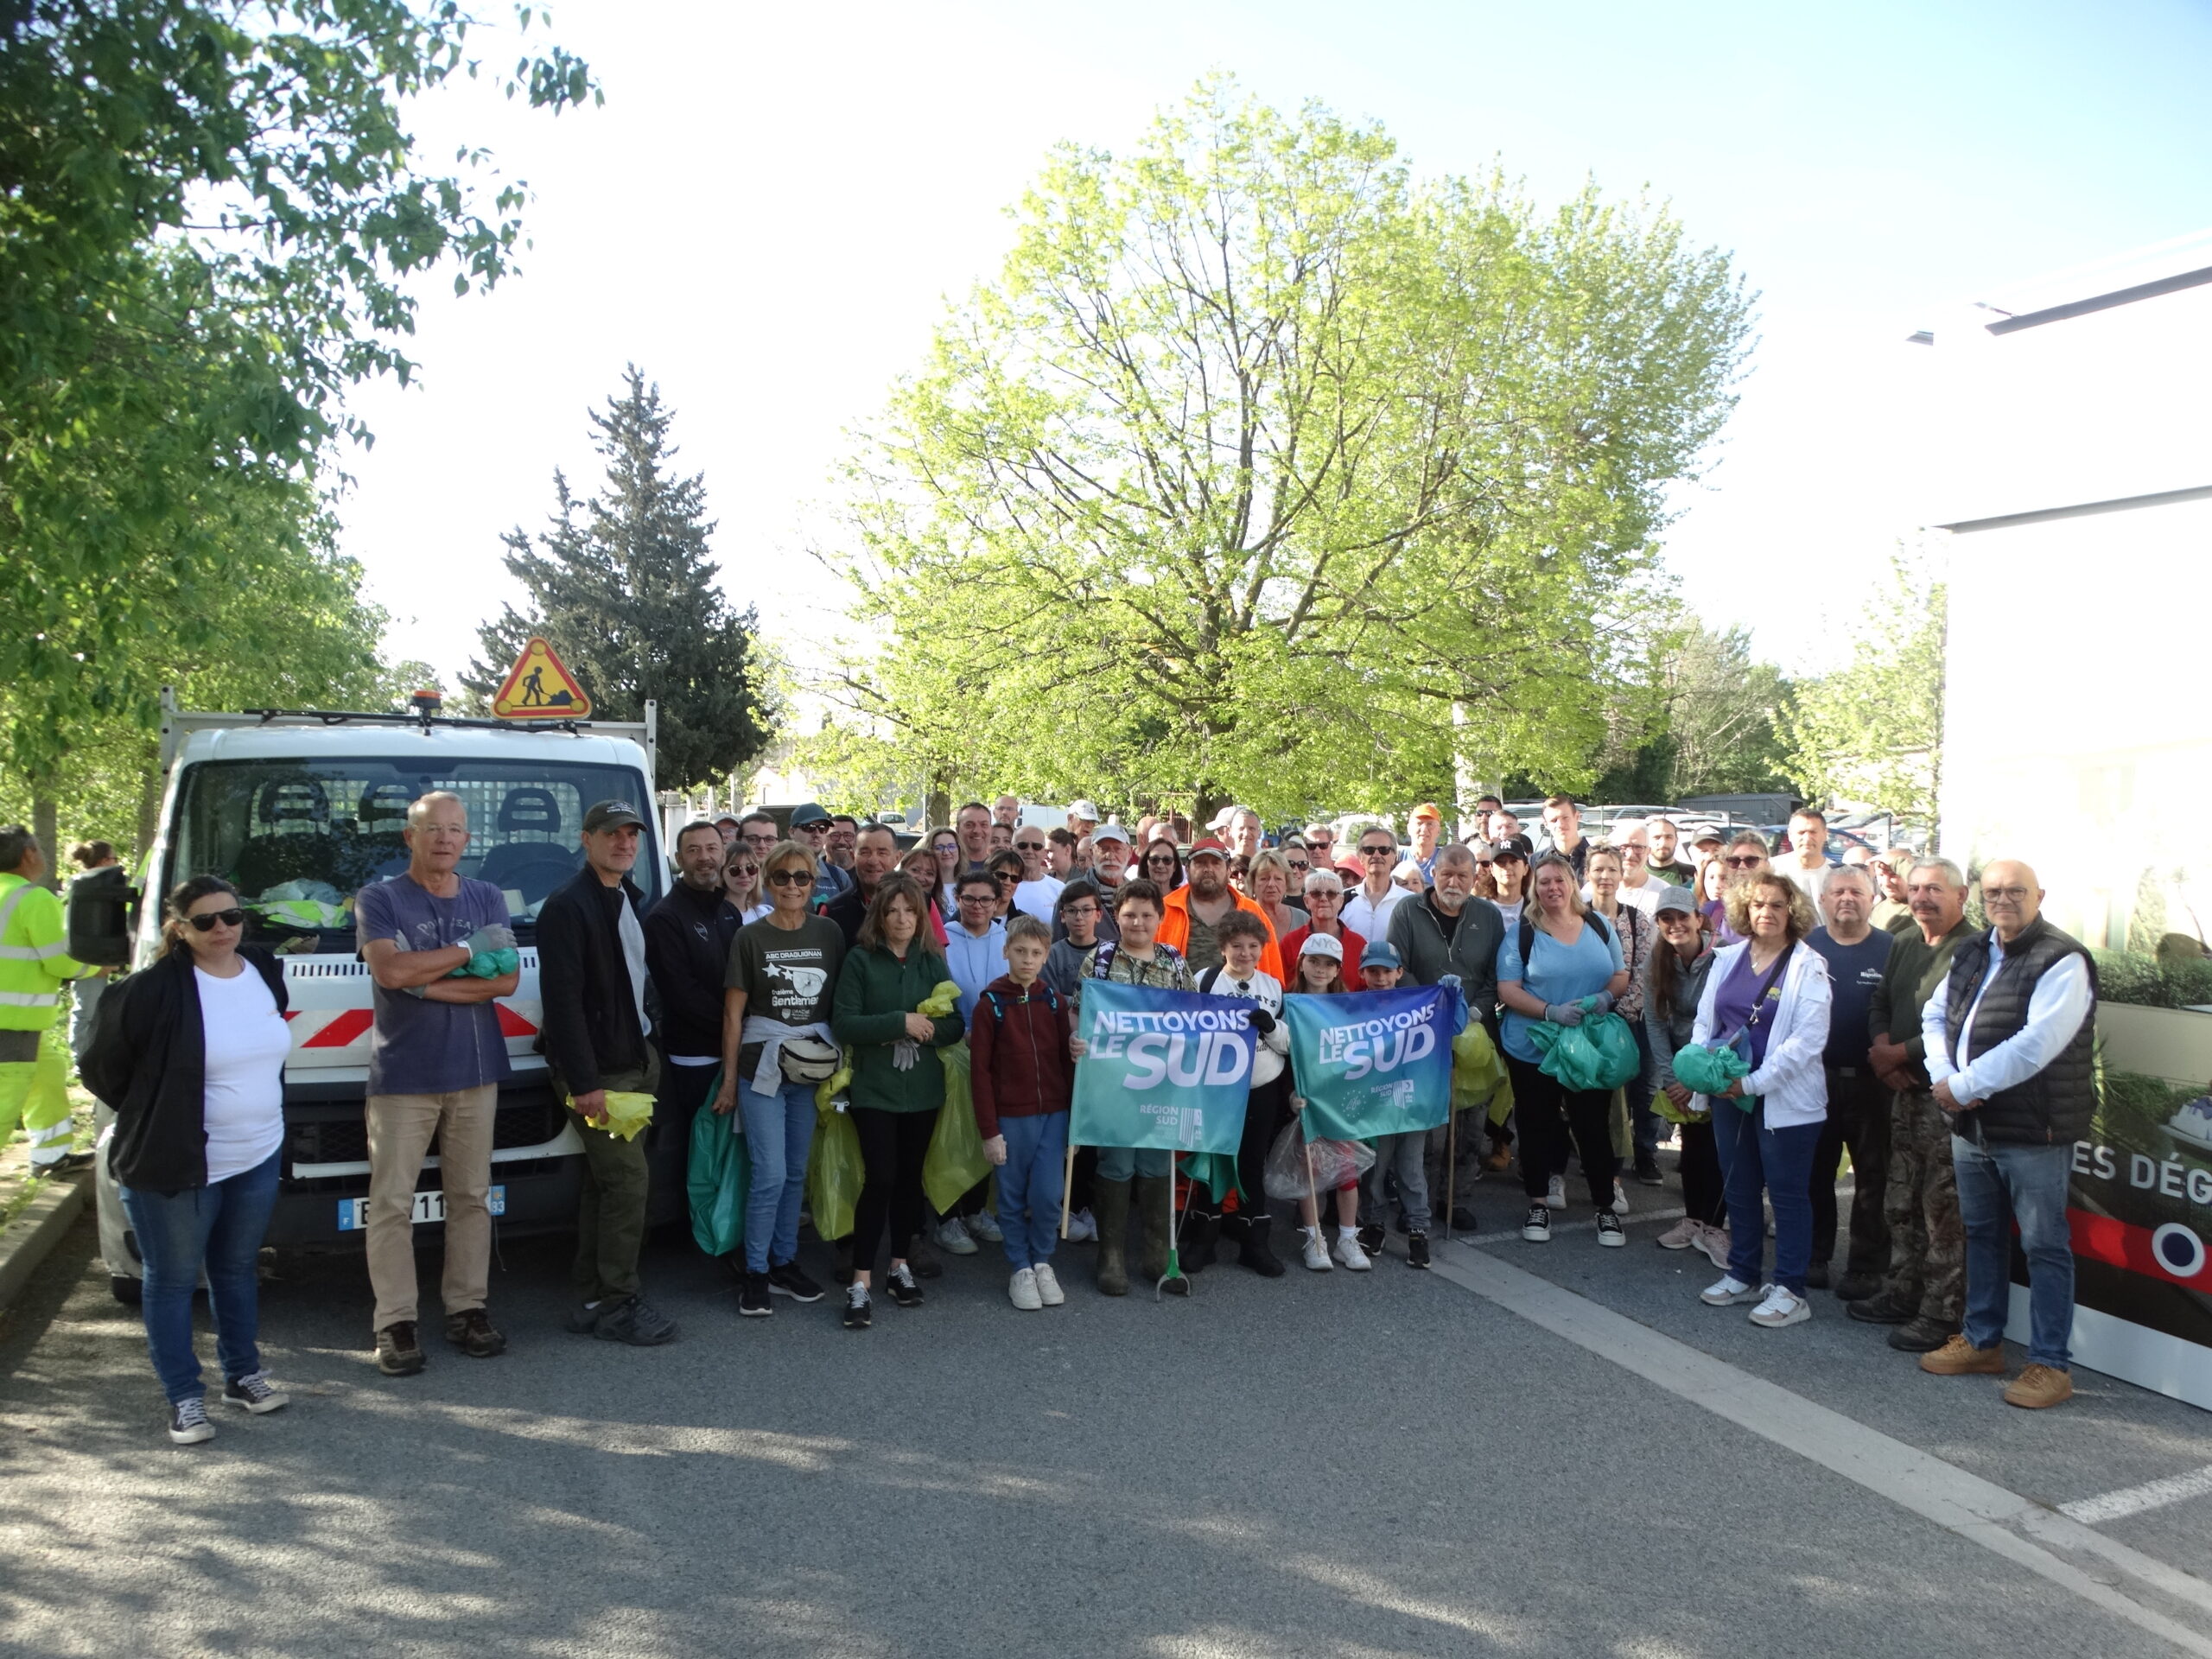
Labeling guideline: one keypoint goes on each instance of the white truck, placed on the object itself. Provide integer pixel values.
(301, 809)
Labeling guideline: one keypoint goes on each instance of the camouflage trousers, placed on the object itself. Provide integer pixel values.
(1928, 1240)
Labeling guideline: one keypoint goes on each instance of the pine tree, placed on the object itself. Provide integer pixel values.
(625, 588)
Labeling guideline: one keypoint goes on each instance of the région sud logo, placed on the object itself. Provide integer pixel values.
(1188, 1049)
(1383, 1044)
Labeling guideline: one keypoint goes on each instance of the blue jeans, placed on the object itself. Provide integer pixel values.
(221, 1227)
(1646, 1127)
(778, 1130)
(1779, 1162)
(1119, 1163)
(1999, 1185)
(1029, 1179)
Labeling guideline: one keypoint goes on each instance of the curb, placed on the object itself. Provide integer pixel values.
(30, 1238)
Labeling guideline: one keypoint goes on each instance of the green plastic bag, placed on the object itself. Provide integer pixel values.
(955, 1161)
(1476, 1071)
(716, 1178)
(1214, 1171)
(834, 1173)
(1597, 1055)
(1709, 1071)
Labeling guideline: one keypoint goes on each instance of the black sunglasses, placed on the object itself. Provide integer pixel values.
(206, 921)
(792, 878)
(1743, 863)
(1028, 846)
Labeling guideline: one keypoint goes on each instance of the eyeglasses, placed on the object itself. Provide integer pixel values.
(791, 878)
(744, 872)
(2002, 895)
(1079, 913)
(814, 828)
(979, 897)
(1162, 860)
(755, 839)
(1376, 852)
(1298, 867)
(1486, 863)
(1006, 878)
(1750, 861)
(1028, 846)
(208, 920)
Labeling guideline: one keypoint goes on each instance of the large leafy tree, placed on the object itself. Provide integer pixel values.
(1261, 469)
(1873, 730)
(625, 587)
(211, 216)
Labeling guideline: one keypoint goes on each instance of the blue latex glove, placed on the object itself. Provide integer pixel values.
(1451, 982)
(1601, 1003)
(1563, 1014)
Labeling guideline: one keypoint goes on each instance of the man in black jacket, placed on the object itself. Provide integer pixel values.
(875, 855)
(684, 959)
(591, 974)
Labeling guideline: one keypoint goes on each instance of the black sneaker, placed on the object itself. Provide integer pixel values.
(1608, 1230)
(1463, 1220)
(472, 1331)
(583, 1319)
(1537, 1229)
(1647, 1172)
(636, 1322)
(922, 1258)
(254, 1392)
(189, 1423)
(1370, 1240)
(903, 1291)
(753, 1300)
(1816, 1277)
(1416, 1249)
(398, 1352)
(786, 1279)
(858, 1314)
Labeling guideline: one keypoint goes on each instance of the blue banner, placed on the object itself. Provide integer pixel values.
(1163, 1069)
(1374, 1063)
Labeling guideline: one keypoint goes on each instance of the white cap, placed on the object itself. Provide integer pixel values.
(1087, 810)
(1111, 831)
(1322, 944)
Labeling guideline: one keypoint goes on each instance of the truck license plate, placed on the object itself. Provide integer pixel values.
(353, 1213)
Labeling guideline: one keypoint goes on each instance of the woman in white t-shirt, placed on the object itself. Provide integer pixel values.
(190, 1053)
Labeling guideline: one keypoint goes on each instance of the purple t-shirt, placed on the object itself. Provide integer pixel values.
(422, 1047)
(1732, 1005)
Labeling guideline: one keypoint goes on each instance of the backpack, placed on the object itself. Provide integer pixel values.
(1590, 917)
(998, 1004)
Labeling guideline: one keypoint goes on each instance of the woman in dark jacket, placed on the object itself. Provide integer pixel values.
(898, 1085)
(190, 1053)
(1674, 980)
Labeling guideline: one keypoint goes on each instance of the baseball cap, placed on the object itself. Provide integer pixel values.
(811, 813)
(1322, 944)
(611, 814)
(1211, 849)
(1380, 954)
(1087, 810)
(1707, 832)
(727, 817)
(1425, 809)
(1518, 846)
(1675, 899)
(1111, 831)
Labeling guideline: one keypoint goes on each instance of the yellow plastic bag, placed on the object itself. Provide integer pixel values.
(1476, 1069)
(627, 1113)
(955, 1161)
(834, 1085)
(942, 1000)
(834, 1173)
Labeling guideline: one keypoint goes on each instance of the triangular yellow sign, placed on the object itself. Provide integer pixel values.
(540, 687)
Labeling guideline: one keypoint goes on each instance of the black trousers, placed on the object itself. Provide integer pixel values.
(1548, 1115)
(892, 1146)
(1703, 1196)
(682, 1095)
(1858, 1121)
(1264, 1110)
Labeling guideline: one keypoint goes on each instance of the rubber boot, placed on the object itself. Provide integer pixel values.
(1257, 1254)
(1109, 1208)
(1201, 1231)
(1152, 1196)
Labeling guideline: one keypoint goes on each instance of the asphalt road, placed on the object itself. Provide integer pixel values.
(1376, 1464)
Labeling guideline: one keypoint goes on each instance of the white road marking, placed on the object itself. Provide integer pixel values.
(2133, 1500)
(1977, 1509)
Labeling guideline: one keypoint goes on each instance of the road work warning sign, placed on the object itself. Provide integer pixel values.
(540, 687)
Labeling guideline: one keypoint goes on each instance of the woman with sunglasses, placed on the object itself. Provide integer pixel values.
(1162, 865)
(746, 893)
(1742, 858)
(191, 1053)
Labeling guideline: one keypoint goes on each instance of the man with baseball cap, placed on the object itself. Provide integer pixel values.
(1083, 818)
(810, 828)
(1424, 829)
(591, 976)
(1195, 909)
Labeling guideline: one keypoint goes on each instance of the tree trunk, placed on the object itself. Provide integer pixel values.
(46, 825)
(150, 807)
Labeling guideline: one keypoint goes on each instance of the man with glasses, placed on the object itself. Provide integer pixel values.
(1007, 810)
(1321, 843)
(729, 827)
(1324, 902)
(1631, 839)
(845, 838)
(1298, 860)
(1110, 856)
(1038, 889)
(1367, 912)
(758, 830)
(1083, 818)
(810, 828)
(2011, 1035)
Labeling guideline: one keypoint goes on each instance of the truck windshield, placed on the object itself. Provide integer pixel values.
(300, 837)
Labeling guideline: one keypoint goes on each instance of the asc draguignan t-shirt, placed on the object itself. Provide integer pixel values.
(422, 1047)
(787, 974)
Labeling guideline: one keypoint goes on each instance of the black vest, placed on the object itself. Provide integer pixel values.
(2055, 1104)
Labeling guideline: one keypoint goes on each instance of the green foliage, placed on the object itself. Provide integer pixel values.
(1872, 731)
(1258, 460)
(623, 587)
(209, 218)
(2147, 981)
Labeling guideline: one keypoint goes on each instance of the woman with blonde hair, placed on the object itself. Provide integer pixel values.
(1269, 885)
(742, 883)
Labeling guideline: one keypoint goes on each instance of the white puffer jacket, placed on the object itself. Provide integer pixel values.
(1268, 1057)
(1792, 1081)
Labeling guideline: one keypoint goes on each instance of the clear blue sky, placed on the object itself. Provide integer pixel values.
(768, 212)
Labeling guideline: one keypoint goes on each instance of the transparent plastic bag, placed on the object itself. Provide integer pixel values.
(715, 1177)
(1477, 1070)
(1334, 1164)
(955, 1161)
(834, 1173)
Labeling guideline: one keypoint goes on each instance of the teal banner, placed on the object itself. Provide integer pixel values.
(1162, 1069)
(1374, 1063)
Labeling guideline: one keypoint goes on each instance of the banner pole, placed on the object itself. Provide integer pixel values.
(1175, 1274)
(1067, 1189)
(1451, 1162)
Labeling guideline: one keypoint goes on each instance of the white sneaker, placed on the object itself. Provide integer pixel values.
(1727, 1292)
(1317, 1253)
(1556, 1194)
(1620, 1198)
(952, 1238)
(1537, 1229)
(1048, 1286)
(1348, 1252)
(1781, 1307)
(1680, 1237)
(1714, 1242)
(1608, 1230)
(1023, 1291)
(1081, 1228)
(985, 1226)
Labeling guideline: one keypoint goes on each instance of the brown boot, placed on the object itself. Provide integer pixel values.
(1109, 1206)
(2039, 1386)
(1958, 1358)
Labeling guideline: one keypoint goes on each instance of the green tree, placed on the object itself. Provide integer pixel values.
(624, 586)
(1258, 457)
(1873, 730)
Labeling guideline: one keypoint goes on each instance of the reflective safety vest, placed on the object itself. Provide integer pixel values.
(34, 962)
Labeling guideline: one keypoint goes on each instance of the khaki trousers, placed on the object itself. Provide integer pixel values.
(400, 1127)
